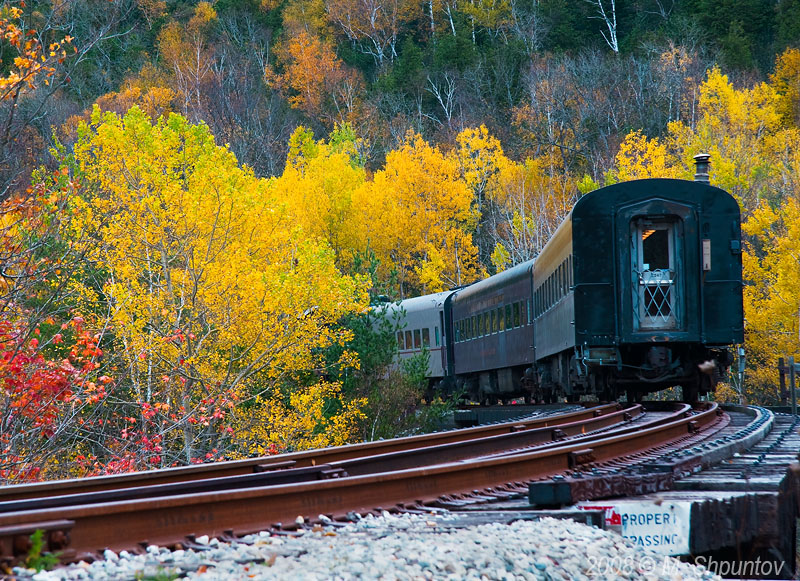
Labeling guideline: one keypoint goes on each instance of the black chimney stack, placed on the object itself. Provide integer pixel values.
(702, 164)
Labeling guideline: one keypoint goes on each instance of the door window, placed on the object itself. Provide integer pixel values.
(655, 273)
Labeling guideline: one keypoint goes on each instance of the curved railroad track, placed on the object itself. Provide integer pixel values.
(85, 516)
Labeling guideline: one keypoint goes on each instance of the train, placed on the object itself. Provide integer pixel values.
(638, 290)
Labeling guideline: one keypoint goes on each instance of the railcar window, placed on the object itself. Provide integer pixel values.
(500, 320)
(486, 321)
(426, 337)
(544, 296)
(417, 342)
(409, 340)
(436, 335)
(493, 321)
(528, 318)
(400, 343)
(516, 315)
(509, 320)
(473, 327)
(569, 271)
(559, 282)
(655, 249)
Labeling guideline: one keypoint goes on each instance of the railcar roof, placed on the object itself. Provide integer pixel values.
(607, 198)
(418, 303)
(498, 280)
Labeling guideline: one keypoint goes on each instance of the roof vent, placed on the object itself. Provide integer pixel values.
(702, 164)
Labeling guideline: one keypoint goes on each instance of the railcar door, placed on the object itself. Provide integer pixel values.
(656, 272)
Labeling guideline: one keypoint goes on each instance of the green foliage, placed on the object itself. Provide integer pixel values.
(408, 71)
(788, 19)
(37, 558)
(454, 52)
(736, 47)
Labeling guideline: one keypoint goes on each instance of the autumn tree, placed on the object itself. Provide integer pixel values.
(319, 84)
(49, 54)
(532, 198)
(188, 53)
(481, 159)
(30, 62)
(786, 81)
(214, 299)
(317, 187)
(418, 217)
(642, 158)
(744, 132)
(772, 299)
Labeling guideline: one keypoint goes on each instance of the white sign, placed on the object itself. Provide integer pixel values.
(662, 527)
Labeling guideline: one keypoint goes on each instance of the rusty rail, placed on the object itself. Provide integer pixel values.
(294, 460)
(83, 529)
(369, 464)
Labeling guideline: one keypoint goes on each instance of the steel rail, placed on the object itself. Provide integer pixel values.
(371, 464)
(85, 529)
(681, 411)
(294, 459)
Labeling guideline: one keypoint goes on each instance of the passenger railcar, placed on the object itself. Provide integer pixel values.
(639, 289)
(422, 328)
(491, 339)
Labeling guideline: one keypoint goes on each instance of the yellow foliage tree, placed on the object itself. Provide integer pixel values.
(743, 131)
(314, 417)
(417, 215)
(772, 295)
(317, 185)
(786, 80)
(211, 293)
(532, 198)
(642, 158)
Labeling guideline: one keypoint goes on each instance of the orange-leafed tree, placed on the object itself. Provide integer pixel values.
(318, 83)
(50, 360)
(29, 62)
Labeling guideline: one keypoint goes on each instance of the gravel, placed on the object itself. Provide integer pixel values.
(398, 547)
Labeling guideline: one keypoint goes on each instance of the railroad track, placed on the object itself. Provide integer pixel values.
(310, 458)
(163, 507)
